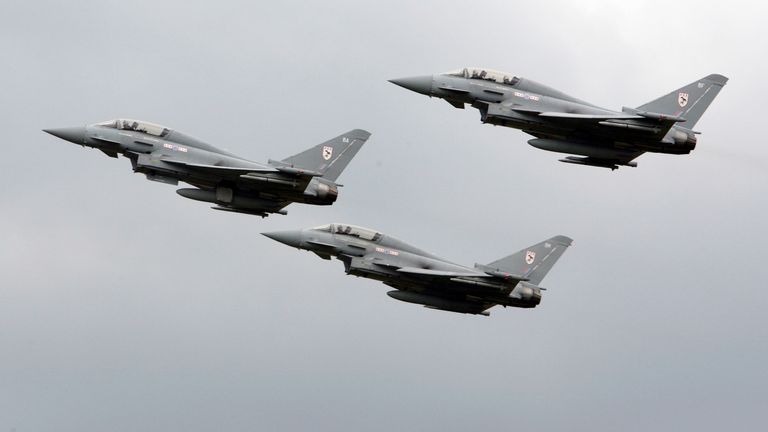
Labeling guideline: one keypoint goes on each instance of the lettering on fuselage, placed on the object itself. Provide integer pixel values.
(175, 147)
(527, 96)
(387, 251)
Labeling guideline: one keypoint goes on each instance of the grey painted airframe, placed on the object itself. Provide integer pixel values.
(231, 182)
(564, 124)
(422, 278)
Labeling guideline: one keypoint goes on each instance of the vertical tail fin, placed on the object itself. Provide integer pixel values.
(689, 101)
(332, 156)
(535, 261)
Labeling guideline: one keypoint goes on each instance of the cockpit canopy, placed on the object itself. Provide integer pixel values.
(137, 126)
(350, 230)
(485, 74)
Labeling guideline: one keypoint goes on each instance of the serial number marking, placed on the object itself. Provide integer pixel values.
(387, 251)
(175, 147)
(527, 96)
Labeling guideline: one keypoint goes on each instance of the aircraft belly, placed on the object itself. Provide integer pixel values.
(593, 135)
(244, 188)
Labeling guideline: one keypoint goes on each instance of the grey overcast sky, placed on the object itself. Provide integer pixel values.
(125, 307)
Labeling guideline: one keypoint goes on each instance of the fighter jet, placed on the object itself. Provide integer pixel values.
(231, 182)
(422, 278)
(564, 124)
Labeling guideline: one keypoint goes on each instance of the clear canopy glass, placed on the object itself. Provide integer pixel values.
(350, 230)
(137, 126)
(485, 74)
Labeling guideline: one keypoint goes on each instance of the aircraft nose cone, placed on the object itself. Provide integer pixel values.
(72, 134)
(291, 238)
(419, 84)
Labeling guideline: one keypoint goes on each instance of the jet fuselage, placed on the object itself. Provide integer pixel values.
(562, 123)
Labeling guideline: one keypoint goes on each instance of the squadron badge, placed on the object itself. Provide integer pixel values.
(327, 152)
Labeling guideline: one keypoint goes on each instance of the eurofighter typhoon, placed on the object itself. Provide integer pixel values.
(422, 278)
(231, 182)
(564, 124)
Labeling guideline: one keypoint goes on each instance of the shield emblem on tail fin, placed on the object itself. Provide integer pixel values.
(682, 99)
(529, 257)
(327, 152)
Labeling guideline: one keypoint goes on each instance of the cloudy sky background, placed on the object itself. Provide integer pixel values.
(125, 307)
